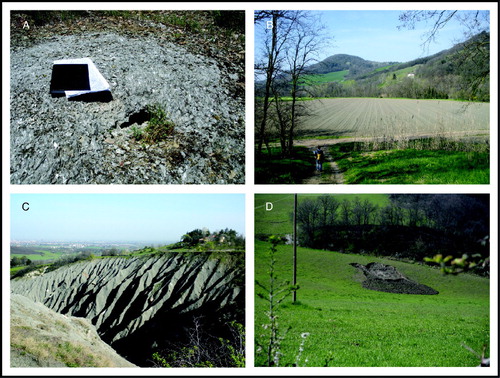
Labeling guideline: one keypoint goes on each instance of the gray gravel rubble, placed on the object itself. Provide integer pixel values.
(386, 278)
(56, 141)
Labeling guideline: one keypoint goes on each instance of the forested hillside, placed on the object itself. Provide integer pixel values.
(340, 62)
(459, 73)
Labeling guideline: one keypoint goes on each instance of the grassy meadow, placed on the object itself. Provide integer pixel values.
(345, 325)
(411, 165)
(354, 327)
(336, 76)
(39, 255)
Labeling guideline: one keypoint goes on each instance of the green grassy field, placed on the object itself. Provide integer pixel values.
(330, 77)
(355, 327)
(43, 255)
(16, 269)
(400, 75)
(411, 166)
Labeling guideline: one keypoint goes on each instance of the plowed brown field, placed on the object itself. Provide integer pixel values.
(375, 117)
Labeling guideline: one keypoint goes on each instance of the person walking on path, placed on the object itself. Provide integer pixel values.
(319, 155)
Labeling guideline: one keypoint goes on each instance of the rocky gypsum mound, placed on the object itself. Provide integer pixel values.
(57, 141)
(381, 277)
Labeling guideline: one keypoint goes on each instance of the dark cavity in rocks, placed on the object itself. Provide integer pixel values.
(138, 117)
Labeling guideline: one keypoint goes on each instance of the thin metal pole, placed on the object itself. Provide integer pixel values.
(294, 293)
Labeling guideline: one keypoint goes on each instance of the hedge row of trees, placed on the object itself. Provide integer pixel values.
(226, 237)
(414, 87)
(410, 225)
(20, 261)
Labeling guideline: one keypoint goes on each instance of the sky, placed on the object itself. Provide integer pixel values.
(374, 35)
(122, 217)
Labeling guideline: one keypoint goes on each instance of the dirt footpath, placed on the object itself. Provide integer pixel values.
(331, 172)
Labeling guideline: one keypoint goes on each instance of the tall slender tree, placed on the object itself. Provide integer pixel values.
(306, 41)
(292, 40)
(276, 37)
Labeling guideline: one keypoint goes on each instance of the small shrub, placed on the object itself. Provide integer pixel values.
(137, 133)
(177, 245)
(22, 272)
(20, 261)
(182, 21)
(205, 350)
(274, 292)
(159, 126)
(234, 20)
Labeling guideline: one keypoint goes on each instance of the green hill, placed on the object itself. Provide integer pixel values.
(339, 323)
(449, 74)
(340, 62)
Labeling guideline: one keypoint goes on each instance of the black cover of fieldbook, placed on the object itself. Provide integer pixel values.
(69, 77)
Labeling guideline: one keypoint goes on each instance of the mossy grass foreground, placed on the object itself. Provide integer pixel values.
(423, 161)
(426, 161)
(272, 168)
(348, 325)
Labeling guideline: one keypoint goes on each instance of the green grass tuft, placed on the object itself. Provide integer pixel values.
(159, 126)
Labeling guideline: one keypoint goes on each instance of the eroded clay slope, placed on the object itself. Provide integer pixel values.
(139, 301)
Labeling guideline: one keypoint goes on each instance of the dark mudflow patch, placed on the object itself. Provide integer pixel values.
(386, 278)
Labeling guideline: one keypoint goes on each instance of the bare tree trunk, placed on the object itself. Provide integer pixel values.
(269, 77)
